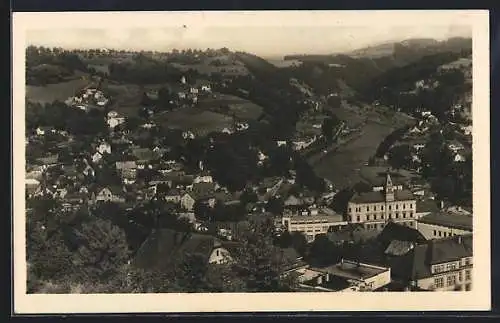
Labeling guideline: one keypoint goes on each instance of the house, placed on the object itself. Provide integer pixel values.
(88, 171)
(455, 146)
(74, 200)
(281, 143)
(347, 276)
(111, 194)
(127, 169)
(227, 131)
(240, 126)
(166, 248)
(104, 147)
(203, 85)
(426, 207)
(459, 158)
(188, 135)
(444, 224)
(60, 193)
(173, 195)
(48, 161)
(144, 155)
(41, 131)
(31, 185)
(303, 143)
(187, 201)
(96, 157)
(376, 208)
(203, 178)
(70, 171)
(114, 119)
(437, 265)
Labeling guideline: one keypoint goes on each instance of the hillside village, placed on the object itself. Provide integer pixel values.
(135, 186)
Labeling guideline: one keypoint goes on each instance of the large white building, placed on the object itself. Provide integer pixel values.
(313, 224)
(388, 203)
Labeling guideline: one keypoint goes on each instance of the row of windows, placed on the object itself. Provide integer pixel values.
(382, 216)
(443, 234)
(358, 209)
(451, 280)
(310, 222)
(381, 225)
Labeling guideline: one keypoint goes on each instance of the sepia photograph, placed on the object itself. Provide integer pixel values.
(251, 161)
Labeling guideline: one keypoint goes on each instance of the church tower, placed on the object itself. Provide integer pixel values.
(389, 188)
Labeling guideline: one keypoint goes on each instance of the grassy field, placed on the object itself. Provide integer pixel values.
(52, 92)
(344, 166)
(198, 121)
(242, 109)
(126, 98)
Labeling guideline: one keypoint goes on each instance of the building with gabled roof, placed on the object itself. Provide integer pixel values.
(375, 209)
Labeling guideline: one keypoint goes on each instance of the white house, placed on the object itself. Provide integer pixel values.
(104, 147)
(459, 158)
(96, 157)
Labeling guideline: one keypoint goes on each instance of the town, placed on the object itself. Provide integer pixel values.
(216, 171)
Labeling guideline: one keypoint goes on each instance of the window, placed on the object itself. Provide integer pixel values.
(390, 216)
(382, 216)
(451, 280)
(350, 210)
(439, 233)
(467, 261)
(390, 207)
(357, 218)
(451, 266)
(404, 206)
(374, 216)
(411, 206)
(467, 275)
(217, 252)
(460, 276)
(439, 282)
(411, 223)
(368, 208)
(374, 208)
(397, 206)
(368, 217)
(404, 215)
(382, 207)
(397, 215)
(411, 214)
(467, 287)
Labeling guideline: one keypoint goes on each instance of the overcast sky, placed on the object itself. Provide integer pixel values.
(264, 41)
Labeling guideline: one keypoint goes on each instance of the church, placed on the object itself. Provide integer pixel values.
(390, 203)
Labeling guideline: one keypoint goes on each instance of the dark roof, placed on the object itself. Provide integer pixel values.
(165, 248)
(144, 154)
(375, 197)
(356, 233)
(394, 231)
(459, 221)
(417, 263)
(202, 190)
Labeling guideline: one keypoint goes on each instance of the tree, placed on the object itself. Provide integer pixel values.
(400, 157)
(258, 262)
(299, 243)
(102, 250)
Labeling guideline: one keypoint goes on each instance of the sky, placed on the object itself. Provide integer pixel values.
(267, 41)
